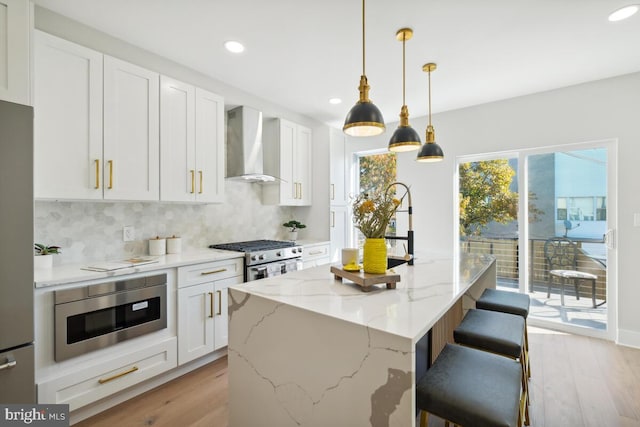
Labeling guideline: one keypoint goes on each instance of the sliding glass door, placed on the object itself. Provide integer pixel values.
(550, 229)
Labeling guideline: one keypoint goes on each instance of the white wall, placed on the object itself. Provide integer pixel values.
(600, 110)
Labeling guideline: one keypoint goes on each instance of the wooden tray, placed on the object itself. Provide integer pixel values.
(366, 280)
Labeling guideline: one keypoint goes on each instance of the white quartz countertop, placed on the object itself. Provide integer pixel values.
(425, 292)
(70, 273)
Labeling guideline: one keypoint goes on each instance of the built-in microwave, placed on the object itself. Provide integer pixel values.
(96, 316)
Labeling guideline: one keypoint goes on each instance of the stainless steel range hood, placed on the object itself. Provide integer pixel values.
(244, 145)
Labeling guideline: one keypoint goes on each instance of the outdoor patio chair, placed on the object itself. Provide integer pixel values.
(561, 255)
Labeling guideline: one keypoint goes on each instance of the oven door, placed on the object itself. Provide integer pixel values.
(272, 269)
(92, 323)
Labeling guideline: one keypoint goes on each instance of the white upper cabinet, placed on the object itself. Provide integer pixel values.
(210, 160)
(96, 125)
(287, 155)
(68, 119)
(131, 132)
(191, 143)
(15, 50)
(337, 167)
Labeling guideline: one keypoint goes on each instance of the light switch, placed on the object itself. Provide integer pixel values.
(636, 219)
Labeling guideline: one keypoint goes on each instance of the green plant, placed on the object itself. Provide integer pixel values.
(41, 249)
(294, 225)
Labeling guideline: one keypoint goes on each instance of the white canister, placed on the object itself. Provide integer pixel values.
(157, 246)
(174, 245)
(350, 256)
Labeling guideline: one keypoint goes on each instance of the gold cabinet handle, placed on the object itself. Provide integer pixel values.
(193, 181)
(316, 252)
(219, 303)
(200, 172)
(110, 174)
(116, 376)
(211, 301)
(206, 273)
(97, 162)
(333, 191)
(333, 219)
(300, 191)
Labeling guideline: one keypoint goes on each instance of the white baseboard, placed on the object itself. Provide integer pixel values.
(628, 338)
(95, 408)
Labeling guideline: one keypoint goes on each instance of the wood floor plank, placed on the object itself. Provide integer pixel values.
(619, 379)
(561, 403)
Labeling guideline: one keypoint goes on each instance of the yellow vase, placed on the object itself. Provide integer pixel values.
(375, 256)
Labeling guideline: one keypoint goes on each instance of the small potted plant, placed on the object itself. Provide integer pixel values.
(43, 255)
(293, 227)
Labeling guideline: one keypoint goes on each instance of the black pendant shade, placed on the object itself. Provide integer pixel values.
(405, 138)
(364, 119)
(430, 152)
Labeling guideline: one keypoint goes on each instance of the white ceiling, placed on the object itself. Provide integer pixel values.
(300, 53)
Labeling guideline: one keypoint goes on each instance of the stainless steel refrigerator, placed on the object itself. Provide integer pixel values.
(17, 377)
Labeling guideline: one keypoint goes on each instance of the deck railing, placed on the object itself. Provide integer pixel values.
(506, 252)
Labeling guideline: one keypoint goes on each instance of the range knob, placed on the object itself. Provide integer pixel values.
(261, 257)
(279, 253)
(254, 257)
(294, 250)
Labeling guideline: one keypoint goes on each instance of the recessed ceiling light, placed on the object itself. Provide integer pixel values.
(234, 46)
(623, 13)
(335, 101)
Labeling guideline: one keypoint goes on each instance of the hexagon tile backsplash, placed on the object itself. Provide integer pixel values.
(92, 231)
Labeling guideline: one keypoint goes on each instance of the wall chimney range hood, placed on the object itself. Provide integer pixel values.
(244, 146)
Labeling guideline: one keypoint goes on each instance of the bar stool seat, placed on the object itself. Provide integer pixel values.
(471, 387)
(504, 302)
(499, 333)
(492, 331)
(508, 302)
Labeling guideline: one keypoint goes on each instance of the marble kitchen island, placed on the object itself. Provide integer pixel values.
(308, 350)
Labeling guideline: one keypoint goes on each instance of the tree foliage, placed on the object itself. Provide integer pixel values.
(485, 195)
(377, 172)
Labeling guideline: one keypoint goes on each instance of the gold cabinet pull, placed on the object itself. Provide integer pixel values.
(97, 162)
(219, 303)
(206, 273)
(116, 376)
(211, 301)
(200, 172)
(193, 181)
(333, 191)
(333, 219)
(110, 174)
(316, 252)
(300, 191)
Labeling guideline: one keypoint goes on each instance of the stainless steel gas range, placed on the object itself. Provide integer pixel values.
(266, 258)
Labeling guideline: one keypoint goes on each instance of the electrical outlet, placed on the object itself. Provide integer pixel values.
(128, 233)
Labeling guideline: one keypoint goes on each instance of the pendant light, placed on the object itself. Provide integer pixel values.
(364, 119)
(405, 138)
(430, 151)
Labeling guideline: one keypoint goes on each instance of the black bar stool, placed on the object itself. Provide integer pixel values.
(471, 387)
(499, 333)
(508, 302)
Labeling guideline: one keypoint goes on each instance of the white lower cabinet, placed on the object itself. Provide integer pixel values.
(203, 324)
(92, 383)
(315, 254)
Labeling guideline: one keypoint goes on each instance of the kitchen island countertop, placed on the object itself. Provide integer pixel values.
(306, 349)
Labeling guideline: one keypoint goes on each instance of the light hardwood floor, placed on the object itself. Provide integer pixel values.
(576, 381)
